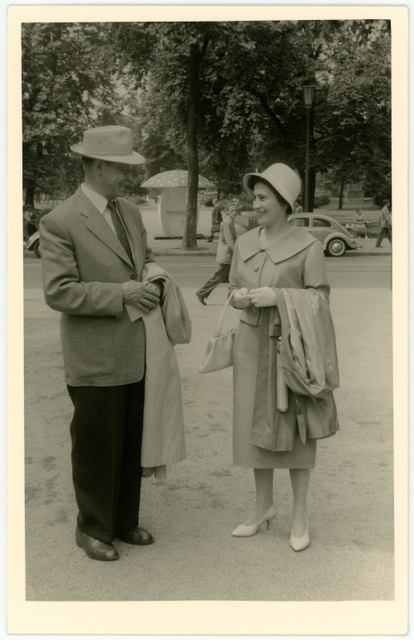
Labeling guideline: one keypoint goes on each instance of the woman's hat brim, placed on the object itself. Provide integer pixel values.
(247, 179)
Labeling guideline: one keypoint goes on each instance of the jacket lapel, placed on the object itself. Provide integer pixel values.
(95, 222)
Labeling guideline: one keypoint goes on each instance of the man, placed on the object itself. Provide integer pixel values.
(224, 255)
(385, 224)
(93, 254)
(216, 218)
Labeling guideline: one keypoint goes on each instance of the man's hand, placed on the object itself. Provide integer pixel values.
(140, 295)
(263, 297)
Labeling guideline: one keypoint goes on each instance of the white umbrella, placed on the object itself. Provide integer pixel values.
(174, 178)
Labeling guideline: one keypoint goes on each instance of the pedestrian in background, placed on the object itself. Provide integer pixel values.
(385, 223)
(361, 224)
(217, 218)
(30, 221)
(224, 255)
(273, 430)
(94, 252)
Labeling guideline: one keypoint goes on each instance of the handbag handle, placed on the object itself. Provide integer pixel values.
(219, 327)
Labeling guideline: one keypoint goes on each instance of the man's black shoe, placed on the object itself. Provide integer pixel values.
(95, 549)
(138, 535)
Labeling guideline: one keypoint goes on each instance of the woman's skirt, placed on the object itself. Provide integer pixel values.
(249, 339)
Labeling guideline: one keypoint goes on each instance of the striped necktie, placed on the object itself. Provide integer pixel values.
(119, 228)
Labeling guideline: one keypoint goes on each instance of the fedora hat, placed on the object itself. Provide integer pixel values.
(112, 143)
(281, 177)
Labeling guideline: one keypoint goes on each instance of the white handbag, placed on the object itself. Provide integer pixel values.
(219, 351)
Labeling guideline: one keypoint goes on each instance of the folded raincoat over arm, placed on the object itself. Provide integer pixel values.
(168, 324)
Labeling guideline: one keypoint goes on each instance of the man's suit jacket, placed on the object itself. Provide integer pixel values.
(84, 265)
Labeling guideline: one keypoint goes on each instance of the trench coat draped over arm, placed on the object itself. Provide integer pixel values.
(297, 262)
(163, 441)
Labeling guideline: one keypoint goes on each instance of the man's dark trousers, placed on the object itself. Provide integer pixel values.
(106, 432)
(385, 232)
(221, 275)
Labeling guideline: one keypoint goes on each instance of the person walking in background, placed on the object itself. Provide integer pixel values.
(30, 221)
(224, 255)
(216, 218)
(385, 223)
(278, 273)
(94, 252)
(361, 224)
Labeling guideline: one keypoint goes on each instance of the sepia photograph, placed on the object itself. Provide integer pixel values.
(205, 396)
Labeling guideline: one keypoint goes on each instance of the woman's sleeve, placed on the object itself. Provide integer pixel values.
(233, 276)
(314, 273)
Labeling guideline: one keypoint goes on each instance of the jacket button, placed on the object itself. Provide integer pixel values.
(255, 268)
(133, 276)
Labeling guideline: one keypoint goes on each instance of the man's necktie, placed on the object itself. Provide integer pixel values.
(119, 228)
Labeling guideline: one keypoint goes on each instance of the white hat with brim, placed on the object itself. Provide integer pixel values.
(279, 176)
(111, 144)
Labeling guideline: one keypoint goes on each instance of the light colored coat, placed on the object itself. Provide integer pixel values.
(84, 265)
(226, 241)
(296, 261)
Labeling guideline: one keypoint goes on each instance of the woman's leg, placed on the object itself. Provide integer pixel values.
(300, 483)
(263, 479)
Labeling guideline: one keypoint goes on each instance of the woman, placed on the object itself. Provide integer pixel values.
(361, 224)
(268, 260)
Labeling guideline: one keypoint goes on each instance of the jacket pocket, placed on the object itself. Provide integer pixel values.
(88, 346)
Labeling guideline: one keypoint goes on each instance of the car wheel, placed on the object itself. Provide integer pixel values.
(336, 248)
(36, 248)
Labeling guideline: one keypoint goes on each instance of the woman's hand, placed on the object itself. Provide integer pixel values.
(241, 298)
(263, 297)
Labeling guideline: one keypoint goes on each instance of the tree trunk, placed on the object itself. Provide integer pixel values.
(31, 181)
(341, 194)
(190, 230)
(30, 193)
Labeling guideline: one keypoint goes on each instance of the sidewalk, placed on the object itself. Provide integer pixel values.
(205, 497)
(173, 247)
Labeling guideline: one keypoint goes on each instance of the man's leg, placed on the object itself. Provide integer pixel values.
(380, 237)
(100, 467)
(130, 479)
(221, 275)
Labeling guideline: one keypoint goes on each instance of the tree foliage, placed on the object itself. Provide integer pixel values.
(68, 85)
(219, 98)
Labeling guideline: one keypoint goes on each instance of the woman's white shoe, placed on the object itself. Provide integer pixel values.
(299, 544)
(248, 530)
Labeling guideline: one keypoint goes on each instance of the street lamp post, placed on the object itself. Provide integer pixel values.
(308, 94)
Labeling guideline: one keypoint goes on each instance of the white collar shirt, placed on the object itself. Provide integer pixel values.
(101, 203)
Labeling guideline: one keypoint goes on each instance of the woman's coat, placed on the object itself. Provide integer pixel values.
(296, 261)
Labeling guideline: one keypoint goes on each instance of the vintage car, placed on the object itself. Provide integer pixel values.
(333, 235)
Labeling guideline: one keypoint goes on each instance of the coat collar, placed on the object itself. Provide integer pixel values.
(96, 223)
(292, 243)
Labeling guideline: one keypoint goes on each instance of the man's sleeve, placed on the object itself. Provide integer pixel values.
(63, 289)
(229, 235)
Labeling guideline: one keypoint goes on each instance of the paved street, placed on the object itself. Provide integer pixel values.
(191, 515)
(349, 272)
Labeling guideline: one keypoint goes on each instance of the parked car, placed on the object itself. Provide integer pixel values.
(334, 237)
